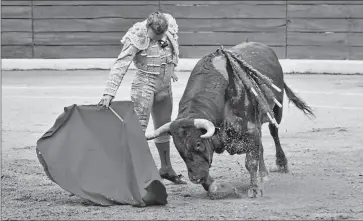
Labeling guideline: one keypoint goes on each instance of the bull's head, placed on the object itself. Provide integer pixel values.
(191, 140)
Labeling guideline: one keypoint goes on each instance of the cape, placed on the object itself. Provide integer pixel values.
(98, 157)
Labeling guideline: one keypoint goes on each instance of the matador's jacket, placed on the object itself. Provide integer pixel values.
(155, 64)
(147, 57)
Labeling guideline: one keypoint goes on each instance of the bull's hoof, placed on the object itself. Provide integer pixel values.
(254, 192)
(280, 169)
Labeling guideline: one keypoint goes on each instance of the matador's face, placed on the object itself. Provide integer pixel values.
(154, 36)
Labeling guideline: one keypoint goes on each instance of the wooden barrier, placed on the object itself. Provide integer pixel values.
(205, 25)
(325, 29)
(93, 29)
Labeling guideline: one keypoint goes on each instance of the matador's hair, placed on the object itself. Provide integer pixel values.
(157, 22)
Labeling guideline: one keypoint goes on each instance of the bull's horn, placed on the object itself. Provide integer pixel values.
(205, 124)
(158, 132)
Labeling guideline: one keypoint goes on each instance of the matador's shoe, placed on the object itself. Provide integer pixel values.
(176, 179)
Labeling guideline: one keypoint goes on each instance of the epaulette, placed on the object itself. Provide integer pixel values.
(137, 35)
(173, 26)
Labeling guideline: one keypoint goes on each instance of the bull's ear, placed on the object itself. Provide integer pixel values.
(217, 130)
(203, 130)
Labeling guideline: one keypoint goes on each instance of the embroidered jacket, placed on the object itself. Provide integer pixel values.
(147, 55)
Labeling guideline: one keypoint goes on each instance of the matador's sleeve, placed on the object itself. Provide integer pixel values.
(134, 41)
(119, 68)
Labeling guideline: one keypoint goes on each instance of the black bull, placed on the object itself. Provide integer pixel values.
(210, 121)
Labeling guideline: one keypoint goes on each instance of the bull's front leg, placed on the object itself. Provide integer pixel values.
(252, 160)
(262, 166)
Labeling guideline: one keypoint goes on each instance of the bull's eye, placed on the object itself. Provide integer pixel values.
(198, 146)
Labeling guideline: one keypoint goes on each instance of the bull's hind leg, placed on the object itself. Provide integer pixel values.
(281, 161)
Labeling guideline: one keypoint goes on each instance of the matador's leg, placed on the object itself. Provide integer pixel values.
(142, 95)
(161, 114)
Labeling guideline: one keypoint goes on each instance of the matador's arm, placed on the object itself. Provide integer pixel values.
(134, 40)
(119, 68)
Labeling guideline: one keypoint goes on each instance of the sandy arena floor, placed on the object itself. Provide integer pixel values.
(325, 155)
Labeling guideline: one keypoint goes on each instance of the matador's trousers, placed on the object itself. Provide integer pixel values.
(152, 94)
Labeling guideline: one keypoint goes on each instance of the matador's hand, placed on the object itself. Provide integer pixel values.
(105, 101)
(174, 77)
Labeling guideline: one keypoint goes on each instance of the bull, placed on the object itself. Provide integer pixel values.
(218, 112)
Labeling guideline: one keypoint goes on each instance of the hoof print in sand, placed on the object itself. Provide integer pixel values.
(222, 191)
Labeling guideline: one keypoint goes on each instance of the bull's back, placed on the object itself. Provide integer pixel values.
(204, 93)
(262, 58)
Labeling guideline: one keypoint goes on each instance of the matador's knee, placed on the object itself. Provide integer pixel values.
(162, 139)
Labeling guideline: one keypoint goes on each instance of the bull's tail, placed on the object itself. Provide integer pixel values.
(298, 102)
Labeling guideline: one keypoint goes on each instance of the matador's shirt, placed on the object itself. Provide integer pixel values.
(148, 56)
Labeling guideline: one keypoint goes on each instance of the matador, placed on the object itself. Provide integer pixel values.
(153, 47)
